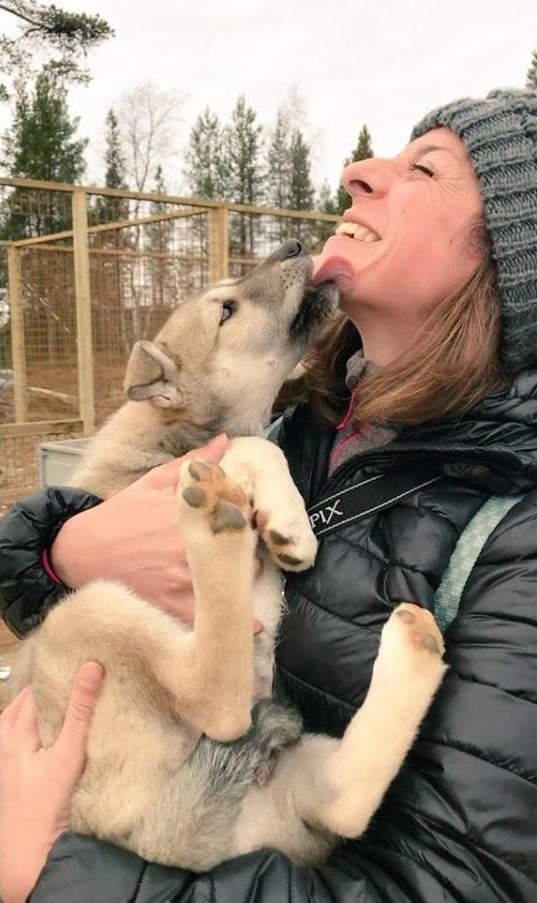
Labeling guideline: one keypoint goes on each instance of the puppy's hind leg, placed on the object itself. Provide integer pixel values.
(357, 771)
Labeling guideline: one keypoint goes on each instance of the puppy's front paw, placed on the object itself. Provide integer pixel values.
(419, 628)
(289, 540)
(411, 644)
(204, 488)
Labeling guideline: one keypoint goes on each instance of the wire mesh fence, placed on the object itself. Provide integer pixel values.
(84, 273)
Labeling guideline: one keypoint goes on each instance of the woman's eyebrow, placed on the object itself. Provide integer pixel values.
(427, 148)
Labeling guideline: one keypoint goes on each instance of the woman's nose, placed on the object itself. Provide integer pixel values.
(366, 177)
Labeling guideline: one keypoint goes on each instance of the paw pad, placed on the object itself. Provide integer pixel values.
(227, 517)
(289, 559)
(194, 497)
(278, 538)
(430, 643)
(418, 627)
(200, 470)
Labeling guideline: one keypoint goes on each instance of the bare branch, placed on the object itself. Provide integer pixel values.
(148, 117)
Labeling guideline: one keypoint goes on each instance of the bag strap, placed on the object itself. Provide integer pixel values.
(467, 550)
(379, 492)
(366, 497)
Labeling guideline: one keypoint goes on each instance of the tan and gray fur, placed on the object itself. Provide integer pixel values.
(188, 763)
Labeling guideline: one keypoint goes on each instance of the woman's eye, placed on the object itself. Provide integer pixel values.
(228, 308)
(422, 168)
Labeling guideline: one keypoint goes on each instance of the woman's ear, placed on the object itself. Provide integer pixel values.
(153, 376)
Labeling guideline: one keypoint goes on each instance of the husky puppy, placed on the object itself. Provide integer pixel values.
(188, 764)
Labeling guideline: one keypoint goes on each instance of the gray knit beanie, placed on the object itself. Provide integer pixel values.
(500, 134)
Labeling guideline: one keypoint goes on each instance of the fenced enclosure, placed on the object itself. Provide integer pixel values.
(84, 273)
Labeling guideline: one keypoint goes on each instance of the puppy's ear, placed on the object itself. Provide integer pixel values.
(153, 376)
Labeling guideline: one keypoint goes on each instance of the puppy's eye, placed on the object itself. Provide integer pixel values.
(228, 309)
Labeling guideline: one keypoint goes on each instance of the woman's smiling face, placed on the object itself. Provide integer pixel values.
(414, 249)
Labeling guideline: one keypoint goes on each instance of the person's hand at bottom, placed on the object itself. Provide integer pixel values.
(37, 784)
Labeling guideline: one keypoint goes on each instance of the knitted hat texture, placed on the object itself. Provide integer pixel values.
(500, 135)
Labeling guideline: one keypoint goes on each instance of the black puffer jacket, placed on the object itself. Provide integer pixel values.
(458, 822)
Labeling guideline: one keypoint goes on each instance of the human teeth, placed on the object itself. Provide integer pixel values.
(356, 231)
(346, 229)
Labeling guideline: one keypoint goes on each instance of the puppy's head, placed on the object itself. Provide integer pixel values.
(230, 349)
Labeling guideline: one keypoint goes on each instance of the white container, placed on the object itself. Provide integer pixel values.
(56, 461)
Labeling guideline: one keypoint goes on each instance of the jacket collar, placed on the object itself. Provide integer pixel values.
(493, 444)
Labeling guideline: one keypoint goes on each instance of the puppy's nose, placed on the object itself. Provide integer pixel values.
(290, 248)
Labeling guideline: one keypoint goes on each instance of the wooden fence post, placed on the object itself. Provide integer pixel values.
(218, 243)
(18, 353)
(86, 388)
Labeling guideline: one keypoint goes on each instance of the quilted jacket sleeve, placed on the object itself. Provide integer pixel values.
(458, 823)
(29, 528)
(82, 870)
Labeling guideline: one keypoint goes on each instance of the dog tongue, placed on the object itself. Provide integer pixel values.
(327, 268)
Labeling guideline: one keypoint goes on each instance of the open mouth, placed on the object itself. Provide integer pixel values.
(357, 231)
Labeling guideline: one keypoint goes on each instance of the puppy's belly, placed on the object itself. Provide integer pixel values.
(132, 757)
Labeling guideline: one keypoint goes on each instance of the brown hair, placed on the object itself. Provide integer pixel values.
(457, 362)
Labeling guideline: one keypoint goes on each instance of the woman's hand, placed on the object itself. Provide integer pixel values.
(37, 784)
(134, 538)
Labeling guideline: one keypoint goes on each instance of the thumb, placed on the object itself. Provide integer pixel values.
(166, 475)
(74, 733)
(211, 451)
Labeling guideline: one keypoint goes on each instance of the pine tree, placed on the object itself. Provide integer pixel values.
(160, 238)
(110, 313)
(362, 151)
(278, 177)
(205, 172)
(531, 77)
(205, 167)
(242, 141)
(114, 157)
(160, 184)
(320, 230)
(326, 202)
(278, 172)
(364, 148)
(111, 208)
(41, 144)
(242, 152)
(301, 190)
(49, 33)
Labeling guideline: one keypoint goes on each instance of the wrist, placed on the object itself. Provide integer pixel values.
(67, 553)
(47, 567)
(20, 874)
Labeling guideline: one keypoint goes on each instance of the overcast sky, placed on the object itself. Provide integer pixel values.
(380, 62)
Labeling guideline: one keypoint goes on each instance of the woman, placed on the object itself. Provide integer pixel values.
(432, 363)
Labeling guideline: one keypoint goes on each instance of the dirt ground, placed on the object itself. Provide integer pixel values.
(18, 455)
(62, 377)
